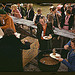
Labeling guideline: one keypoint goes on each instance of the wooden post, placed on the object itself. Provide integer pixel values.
(31, 30)
(62, 39)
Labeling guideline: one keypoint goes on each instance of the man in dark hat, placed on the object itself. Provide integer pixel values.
(6, 8)
(6, 21)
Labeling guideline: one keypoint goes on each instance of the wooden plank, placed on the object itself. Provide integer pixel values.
(64, 33)
(28, 55)
(1, 32)
(22, 21)
(31, 53)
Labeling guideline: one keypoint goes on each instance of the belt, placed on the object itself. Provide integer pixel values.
(66, 25)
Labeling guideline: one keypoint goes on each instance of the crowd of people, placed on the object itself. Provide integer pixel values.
(63, 14)
(61, 17)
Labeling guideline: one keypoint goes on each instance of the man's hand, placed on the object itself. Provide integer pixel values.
(50, 35)
(60, 59)
(66, 47)
(59, 27)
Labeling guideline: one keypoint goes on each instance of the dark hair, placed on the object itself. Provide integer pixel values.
(8, 32)
(73, 40)
(19, 3)
(25, 4)
(54, 8)
(50, 17)
(39, 9)
(68, 11)
(64, 4)
(30, 6)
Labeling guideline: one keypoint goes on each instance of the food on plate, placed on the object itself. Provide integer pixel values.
(54, 52)
(57, 56)
(47, 37)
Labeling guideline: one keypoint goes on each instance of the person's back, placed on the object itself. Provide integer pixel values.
(11, 23)
(10, 54)
(37, 16)
(6, 21)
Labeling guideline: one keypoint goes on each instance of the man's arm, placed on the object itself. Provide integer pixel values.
(67, 45)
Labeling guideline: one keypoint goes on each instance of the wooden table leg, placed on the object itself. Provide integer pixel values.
(51, 44)
(31, 30)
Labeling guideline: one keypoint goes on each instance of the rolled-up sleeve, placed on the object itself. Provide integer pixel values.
(69, 43)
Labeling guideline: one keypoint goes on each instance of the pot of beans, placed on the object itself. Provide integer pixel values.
(46, 63)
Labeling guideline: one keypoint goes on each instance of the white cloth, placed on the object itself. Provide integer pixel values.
(29, 12)
(17, 35)
(1, 33)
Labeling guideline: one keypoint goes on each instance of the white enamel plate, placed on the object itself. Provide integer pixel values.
(55, 56)
(47, 37)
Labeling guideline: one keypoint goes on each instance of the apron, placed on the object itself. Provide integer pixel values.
(66, 26)
(43, 32)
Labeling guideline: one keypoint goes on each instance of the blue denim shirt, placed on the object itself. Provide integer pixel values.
(71, 59)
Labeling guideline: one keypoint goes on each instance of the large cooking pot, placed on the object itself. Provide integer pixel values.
(44, 67)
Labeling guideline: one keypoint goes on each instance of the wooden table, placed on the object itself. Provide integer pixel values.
(57, 31)
(30, 24)
(64, 33)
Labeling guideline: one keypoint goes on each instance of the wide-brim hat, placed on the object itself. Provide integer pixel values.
(2, 11)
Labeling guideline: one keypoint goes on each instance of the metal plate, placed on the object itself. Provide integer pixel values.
(47, 37)
(54, 56)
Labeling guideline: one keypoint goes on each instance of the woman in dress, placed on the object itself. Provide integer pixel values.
(15, 12)
(69, 21)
